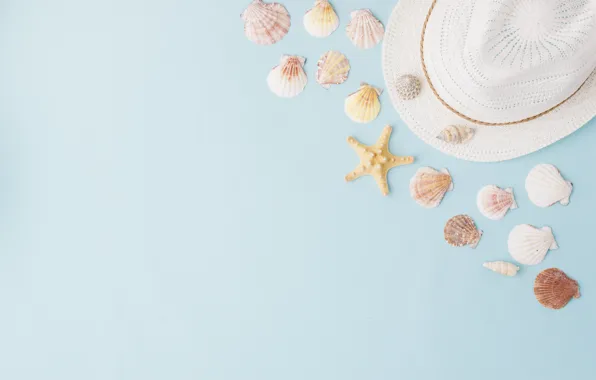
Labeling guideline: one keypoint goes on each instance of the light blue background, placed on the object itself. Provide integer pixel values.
(164, 216)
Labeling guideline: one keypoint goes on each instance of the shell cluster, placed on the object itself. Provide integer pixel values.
(494, 202)
(265, 23)
(321, 20)
(529, 245)
(363, 106)
(546, 186)
(288, 79)
(364, 29)
(333, 68)
(428, 186)
(456, 134)
(461, 230)
(554, 289)
(407, 87)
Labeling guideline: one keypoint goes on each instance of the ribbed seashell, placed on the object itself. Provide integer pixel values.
(265, 23)
(529, 245)
(502, 267)
(554, 289)
(456, 134)
(461, 230)
(321, 20)
(546, 186)
(428, 186)
(288, 79)
(363, 105)
(494, 202)
(408, 87)
(333, 68)
(364, 30)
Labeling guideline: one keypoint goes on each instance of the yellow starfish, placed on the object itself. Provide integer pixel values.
(376, 161)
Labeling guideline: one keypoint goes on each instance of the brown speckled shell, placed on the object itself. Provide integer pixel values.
(461, 230)
(553, 289)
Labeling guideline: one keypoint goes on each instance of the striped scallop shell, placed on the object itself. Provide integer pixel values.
(364, 30)
(333, 68)
(494, 202)
(363, 105)
(456, 134)
(265, 23)
(321, 20)
(502, 267)
(554, 289)
(428, 186)
(288, 79)
(461, 230)
(546, 186)
(528, 245)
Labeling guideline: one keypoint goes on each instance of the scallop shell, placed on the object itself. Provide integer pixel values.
(494, 202)
(321, 20)
(546, 186)
(529, 245)
(554, 289)
(265, 23)
(461, 230)
(428, 186)
(363, 105)
(456, 134)
(502, 267)
(408, 87)
(364, 30)
(288, 79)
(333, 68)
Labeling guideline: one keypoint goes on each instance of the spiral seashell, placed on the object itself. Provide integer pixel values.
(333, 68)
(408, 87)
(528, 245)
(428, 186)
(494, 202)
(265, 23)
(554, 289)
(461, 230)
(363, 105)
(502, 267)
(321, 20)
(364, 30)
(456, 134)
(546, 186)
(288, 79)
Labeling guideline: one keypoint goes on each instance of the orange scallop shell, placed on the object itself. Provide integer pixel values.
(461, 230)
(553, 289)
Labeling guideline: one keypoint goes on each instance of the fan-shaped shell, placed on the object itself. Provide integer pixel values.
(554, 289)
(321, 20)
(265, 23)
(428, 186)
(529, 245)
(408, 87)
(456, 134)
(502, 267)
(494, 202)
(461, 230)
(333, 68)
(288, 79)
(363, 105)
(364, 30)
(546, 186)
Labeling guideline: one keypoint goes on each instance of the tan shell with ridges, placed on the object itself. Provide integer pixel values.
(461, 230)
(333, 68)
(363, 105)
(554, 289)
(428, 186)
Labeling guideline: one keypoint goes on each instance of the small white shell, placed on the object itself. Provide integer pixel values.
(494, 202)
(529, 245)
(502, 267)
(407, 86)
(546, 186)
(321, 20)
(456, 134)
(364, 30)
(288, 79)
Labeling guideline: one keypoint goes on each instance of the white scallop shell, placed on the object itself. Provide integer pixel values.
(265, 23)
(546, 186)
(321, 20)
(364, 30)
(529, 245)
(502, 267)
(494, 202)
(288, 79)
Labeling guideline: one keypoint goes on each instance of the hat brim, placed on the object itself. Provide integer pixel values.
(427, 117)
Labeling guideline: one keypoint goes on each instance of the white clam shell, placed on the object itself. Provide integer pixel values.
(494, 202)
(529, 245)
(546, 186)
(502, 267)
(288, 79)
(364, 30)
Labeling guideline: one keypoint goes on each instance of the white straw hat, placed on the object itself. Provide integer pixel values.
(519, 71)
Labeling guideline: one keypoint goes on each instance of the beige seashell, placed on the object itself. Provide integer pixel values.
(494, 202)
(554, 289)
(528, 245)
(364, 30)
(546, 186)
(461, 230)
(502, 267)
(428, 186)
(408, 87)
(265, 23)
(288, 79)
(456, 134)
(363, 105)
(321, 20)
(333, 68)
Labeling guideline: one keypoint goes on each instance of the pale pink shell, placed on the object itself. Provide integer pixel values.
(494, 202)
(365, 30)
(265, 23)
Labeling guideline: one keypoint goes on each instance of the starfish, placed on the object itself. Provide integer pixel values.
(376, 160)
